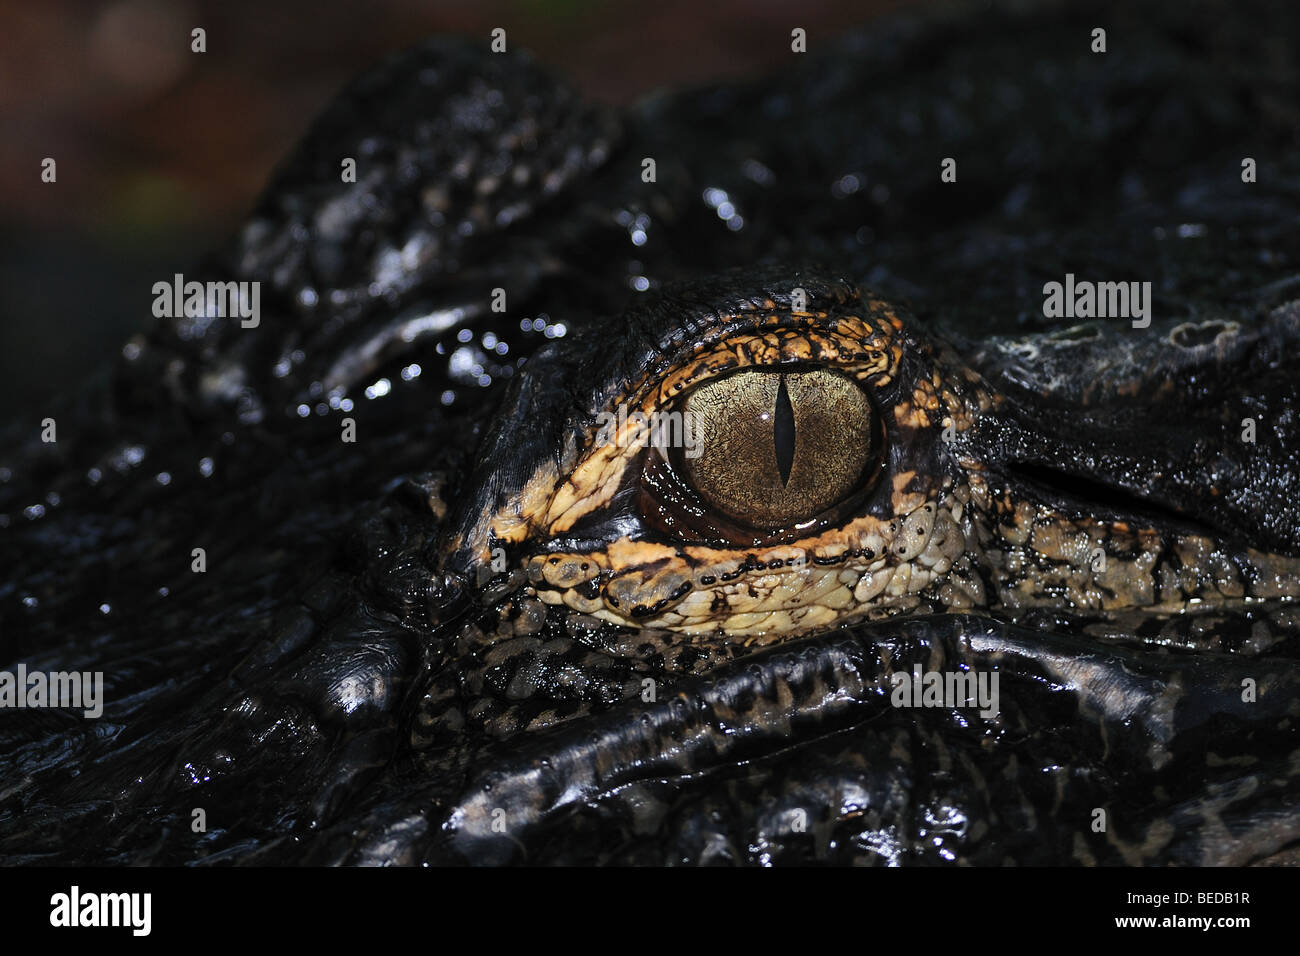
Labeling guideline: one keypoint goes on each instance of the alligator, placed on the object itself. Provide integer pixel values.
(399, 572)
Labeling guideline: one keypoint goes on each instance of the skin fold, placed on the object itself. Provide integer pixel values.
(473, 636)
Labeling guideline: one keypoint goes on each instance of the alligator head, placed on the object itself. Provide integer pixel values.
(787, 467)
(913, 489)
(696, 552)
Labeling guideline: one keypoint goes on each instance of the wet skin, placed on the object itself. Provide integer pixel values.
(480, 633)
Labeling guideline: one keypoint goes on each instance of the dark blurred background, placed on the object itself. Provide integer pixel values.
(160, 152)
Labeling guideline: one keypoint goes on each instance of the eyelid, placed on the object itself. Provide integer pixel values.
(868, 348)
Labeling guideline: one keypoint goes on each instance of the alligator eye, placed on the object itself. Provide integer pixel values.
(775, 450)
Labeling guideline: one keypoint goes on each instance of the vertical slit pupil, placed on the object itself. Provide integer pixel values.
(783, 432)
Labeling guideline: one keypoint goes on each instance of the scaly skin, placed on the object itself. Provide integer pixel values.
(351, 680)
(950, 526)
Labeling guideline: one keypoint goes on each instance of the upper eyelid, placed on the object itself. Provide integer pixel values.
(870, 356)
